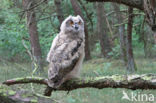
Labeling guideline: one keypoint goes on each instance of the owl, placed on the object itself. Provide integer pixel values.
(67, 52)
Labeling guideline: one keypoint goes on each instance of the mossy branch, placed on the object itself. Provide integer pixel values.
(23, 80)
(144, 81)
(8, 95)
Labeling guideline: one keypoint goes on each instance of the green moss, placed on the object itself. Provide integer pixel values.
(3, 89)
(34, 100)
(11, 92)
(98, 78)
(146, 78)
(4, 94)
(25, 95)
(117, 77)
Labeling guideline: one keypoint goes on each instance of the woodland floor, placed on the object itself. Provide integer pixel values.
(92, 68)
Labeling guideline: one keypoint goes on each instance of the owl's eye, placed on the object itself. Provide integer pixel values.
(71, 23)
(79, 22)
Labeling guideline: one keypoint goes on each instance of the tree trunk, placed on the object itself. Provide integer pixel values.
(150, 11)
(121, 33)
(144, 39)
(59, 10)
(155, 36)
(131, 66)
(101, 30)
(33, 33)
(78, 11)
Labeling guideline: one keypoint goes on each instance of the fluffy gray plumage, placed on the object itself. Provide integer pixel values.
(67, 52)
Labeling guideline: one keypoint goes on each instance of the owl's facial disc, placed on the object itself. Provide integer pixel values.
(75, 25)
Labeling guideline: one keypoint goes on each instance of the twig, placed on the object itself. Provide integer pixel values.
(110, 13)
(27, 49)
(109, 27)
(37, 4)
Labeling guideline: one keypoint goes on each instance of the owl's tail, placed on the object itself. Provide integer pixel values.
(55, 83)
(54, 78)
(48, 91)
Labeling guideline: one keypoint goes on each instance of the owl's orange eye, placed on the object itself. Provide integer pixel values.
(71, 23)
(79, 22)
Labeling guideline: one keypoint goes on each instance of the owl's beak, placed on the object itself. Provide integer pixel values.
(76, 26)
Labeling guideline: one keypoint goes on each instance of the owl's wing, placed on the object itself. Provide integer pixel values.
(54, 43)
(62, 61)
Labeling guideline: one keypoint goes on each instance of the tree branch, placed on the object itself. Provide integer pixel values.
(8, 95)
(24, 80)
(144, 81)
(133, 3)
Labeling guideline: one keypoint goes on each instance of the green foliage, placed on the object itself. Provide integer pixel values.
(10, 36)
(154, 48)
(12, 30)
(98, 47)
(46, 35)
(115, 53)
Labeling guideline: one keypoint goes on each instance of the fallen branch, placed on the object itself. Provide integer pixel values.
(37, 80)
(144, 81)
(8, 95)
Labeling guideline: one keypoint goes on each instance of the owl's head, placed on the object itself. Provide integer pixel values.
(72, 24)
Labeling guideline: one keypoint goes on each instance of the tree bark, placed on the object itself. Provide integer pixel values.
(155, 36)
(78, 11)
(131, 66)
(33, 33)
(101, 30)
(121, 33)
(8, 95)
(59, 10)
(144, 81)
(144, 39)
(150, 11)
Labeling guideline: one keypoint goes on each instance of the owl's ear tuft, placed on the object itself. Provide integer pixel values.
(63, 25)
(69, 17)
(78, 16)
